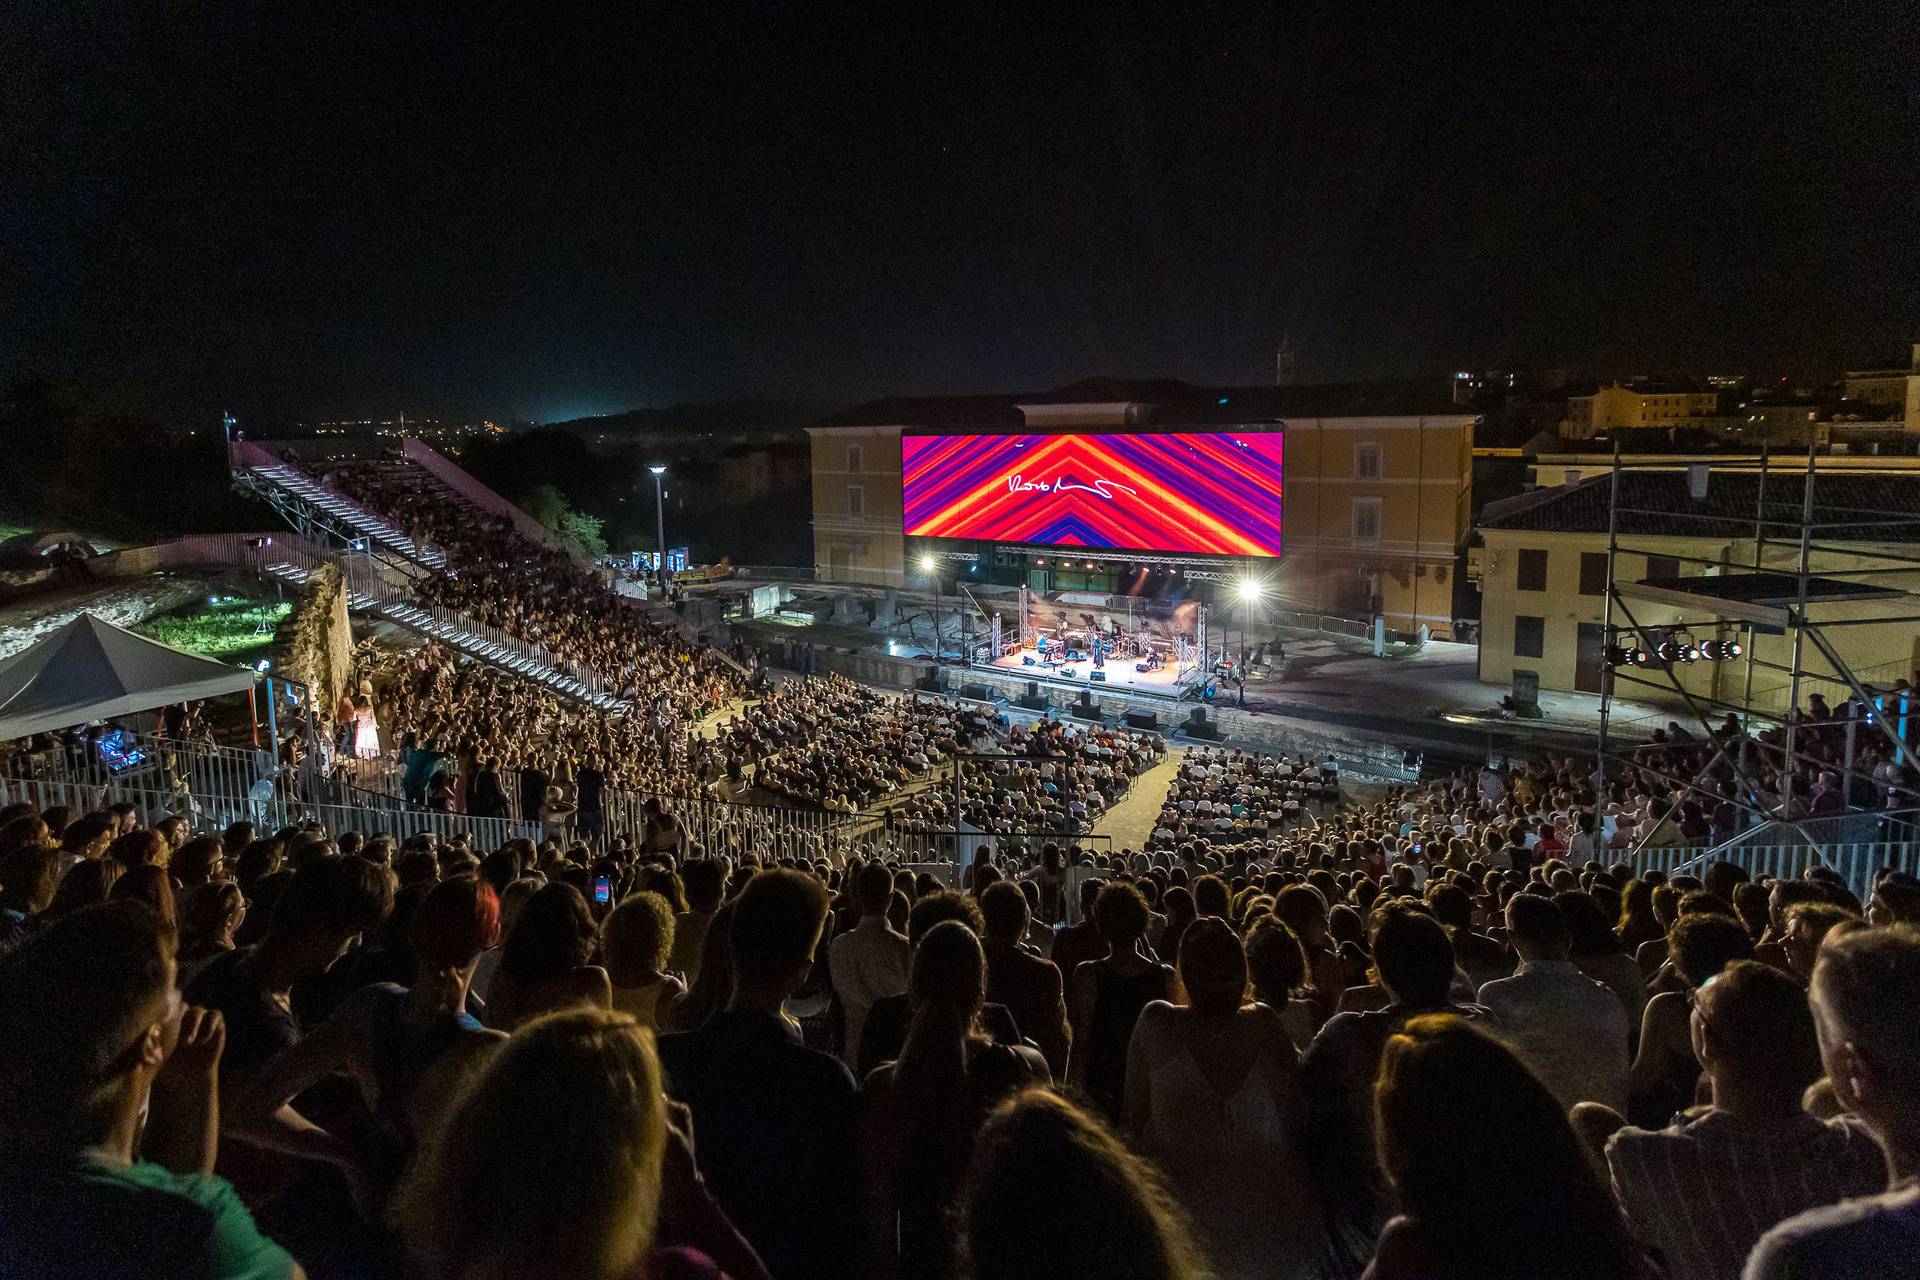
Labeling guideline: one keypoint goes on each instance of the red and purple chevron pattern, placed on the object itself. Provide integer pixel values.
(1210, 493)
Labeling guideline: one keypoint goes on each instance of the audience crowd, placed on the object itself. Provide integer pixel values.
(247, 1054)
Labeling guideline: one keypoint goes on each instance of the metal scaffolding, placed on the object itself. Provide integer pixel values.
(1807, 557)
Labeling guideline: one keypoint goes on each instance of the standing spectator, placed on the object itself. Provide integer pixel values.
(755, 1089)
(1027, 985)
(1052, 1193)
(583, 1085)
(1866, 986)
(868, 961)
(1214, 1096)
(1568, 1029)
(1108, 995)
(92, 1032)
(923, 1109)
(1500, 1192)
(705, 881)
(546, 961)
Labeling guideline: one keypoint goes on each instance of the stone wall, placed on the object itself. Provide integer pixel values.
(320, 639)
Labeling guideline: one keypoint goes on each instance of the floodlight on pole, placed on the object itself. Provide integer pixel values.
(1249, 589)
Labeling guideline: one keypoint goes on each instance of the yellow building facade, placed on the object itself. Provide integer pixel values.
(1376, 509)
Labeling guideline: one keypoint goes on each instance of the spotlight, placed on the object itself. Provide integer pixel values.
(1620, 655)
(1249, 589)
(926, 564)
(1641, 658)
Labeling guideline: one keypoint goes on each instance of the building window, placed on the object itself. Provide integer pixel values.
(1366, 519)
(1366, 461)
(1529, 636)
(1662, 567)
(1593, 573)
(856, 500)
(854, 460)
(1533, 571)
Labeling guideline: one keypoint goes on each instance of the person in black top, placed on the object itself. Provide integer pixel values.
(755, 1090)
(884, 1034)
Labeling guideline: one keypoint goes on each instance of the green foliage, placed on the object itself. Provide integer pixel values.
(232, 630)
(583, 531)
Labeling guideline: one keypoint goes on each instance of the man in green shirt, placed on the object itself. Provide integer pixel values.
(92, 1033)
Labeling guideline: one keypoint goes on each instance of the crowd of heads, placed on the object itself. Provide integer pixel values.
(1051, 777)
(360, 1056)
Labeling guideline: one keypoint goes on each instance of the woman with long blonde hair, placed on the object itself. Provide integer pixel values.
(553, 1163)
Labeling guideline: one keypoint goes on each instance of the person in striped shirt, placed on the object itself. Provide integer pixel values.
(1701, 1191)
(1866, 986)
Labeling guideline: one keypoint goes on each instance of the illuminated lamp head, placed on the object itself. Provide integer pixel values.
(1249, 589)
(926, 564)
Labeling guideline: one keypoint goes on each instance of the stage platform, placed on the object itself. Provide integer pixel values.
(1119, 673)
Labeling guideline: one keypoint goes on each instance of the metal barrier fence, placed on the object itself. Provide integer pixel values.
(1856, 863)
(215, 785)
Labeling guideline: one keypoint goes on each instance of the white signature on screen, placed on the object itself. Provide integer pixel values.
(1017, 483)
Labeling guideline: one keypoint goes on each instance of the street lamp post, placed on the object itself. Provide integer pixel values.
(660, 525)
(1249, 592)
(929, 567)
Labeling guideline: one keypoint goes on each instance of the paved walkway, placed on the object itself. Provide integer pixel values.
(1130, 822)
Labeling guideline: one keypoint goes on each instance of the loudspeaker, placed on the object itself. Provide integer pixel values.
(1033, 688)
(1085, 709)
(1198, 726)
(1098, 677)
(1032, 701)
(978, 692)
(928, 684)
(1142, 720)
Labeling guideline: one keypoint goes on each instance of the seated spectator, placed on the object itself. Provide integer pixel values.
(1569, 1030)
(1053, 1193)
(1700, 1192)
(1213, 1095)
(1499, 1192)
(754, 1089)
(1866, 986)
(1277, 967)
(93, 1032)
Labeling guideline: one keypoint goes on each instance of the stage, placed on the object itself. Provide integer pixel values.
(1118, 672)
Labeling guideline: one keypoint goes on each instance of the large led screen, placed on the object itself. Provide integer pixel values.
(1212, 493)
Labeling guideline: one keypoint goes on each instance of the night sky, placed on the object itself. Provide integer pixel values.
(301, 210)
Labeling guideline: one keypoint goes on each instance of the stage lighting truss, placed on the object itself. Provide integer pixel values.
(1667, 650)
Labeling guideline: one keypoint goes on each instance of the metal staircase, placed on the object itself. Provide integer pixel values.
(380, 590)
(324, 514)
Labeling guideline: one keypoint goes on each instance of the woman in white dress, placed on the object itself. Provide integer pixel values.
(1214, 1096)
(366, 733)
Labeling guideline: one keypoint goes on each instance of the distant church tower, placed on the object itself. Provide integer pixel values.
(1283, 362)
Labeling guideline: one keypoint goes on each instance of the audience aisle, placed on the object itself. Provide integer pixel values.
(1129, 824)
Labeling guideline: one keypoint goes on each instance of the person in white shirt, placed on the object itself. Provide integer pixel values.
(1866, 986)
(869, 961)
(1570, 1030)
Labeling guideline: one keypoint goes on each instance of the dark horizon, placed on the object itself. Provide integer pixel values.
(491, 214)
